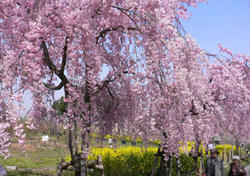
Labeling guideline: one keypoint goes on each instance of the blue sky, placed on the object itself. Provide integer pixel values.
(221, 21)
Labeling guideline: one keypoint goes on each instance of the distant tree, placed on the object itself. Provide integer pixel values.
(60, 106)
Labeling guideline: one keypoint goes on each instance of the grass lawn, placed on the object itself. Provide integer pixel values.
(35, 158)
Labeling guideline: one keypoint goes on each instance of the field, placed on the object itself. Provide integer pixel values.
(36, 157)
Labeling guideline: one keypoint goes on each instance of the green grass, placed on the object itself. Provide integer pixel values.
(16, 173)
(35, 159)
(25, 174)
(41, 158)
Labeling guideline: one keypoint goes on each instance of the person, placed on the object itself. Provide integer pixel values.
(2, 171)
(236, 169)
(214, 165)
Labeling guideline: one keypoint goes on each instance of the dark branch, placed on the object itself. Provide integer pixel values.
(58, 87)
(103, 33)
(51, 66)
(46, 58)
(109, 91)
(19, 57)
(123, 10)
(64, 58)
(192, 110)
(106, 82)
(109, 80)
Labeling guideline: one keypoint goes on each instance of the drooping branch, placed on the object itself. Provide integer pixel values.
(217, 58)
(58, 87)
(103, 33)
(109, 80)
(124, 11)
(109, 91)
(19, 57)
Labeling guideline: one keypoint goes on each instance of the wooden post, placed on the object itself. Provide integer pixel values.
(83, 165)
(232, 149)
(101, 167)
(170, 165)
(201, 165)
(62, 165)
(178, 167)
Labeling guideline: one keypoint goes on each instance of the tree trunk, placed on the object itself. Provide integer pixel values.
(196, 155)
(70, 145)
(156, 161)
(75, 137)
(83, 165)
(167, 166)
(161, 168)
(170, 165)
(201, 166)
(237, 147)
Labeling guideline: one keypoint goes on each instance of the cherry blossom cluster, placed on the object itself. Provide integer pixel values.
(124, 66)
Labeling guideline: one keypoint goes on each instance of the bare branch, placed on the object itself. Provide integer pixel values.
(46, 58)
(109, 80)
(58, 87)
(116, 28)
(103, 33)
(109, 91)
(216, 57)
(51, 66)
(64, 58)
(123, 10)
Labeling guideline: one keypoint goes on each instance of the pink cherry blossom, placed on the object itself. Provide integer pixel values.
(159, 82)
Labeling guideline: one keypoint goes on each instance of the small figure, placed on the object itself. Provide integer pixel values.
(110, 143)
(236, 169)
(214, 165)
(2, 171)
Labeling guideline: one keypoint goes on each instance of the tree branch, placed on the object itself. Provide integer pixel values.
(103, 33)
(50, 64)
(64, 58)
(58, 87)
(123, 11)
(109, 91)
(47, 59)
(107, 81)
(192, 110)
